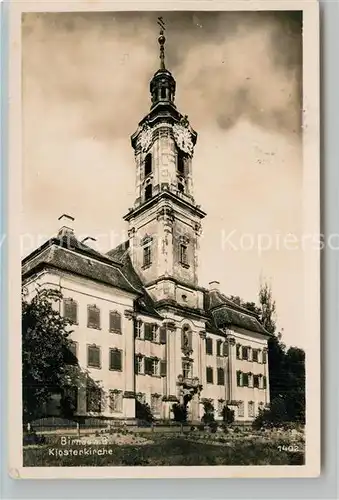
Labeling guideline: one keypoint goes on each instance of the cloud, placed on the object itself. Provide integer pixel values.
(85, 88)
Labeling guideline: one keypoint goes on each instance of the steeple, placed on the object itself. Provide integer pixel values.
(162, 85)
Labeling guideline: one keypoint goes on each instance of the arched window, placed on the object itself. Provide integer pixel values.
(148, 164)
(148, 192)
(181, 163)
(181, 187)
(186, 339)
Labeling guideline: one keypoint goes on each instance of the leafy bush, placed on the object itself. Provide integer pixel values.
(179, 412)
(274, 416)
(143, 412)
(208, 415)
(33, 438)
(227, 415)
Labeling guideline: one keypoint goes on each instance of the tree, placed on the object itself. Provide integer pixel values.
(286, 367)
(48, 366)
(45, 341)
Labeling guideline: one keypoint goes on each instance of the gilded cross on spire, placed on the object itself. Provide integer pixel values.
(161, 41)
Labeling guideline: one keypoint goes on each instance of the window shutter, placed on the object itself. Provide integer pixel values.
(264, 382)
(163, 368)
(93, 319)
(209, 346)
(163, 335)
(71, 310)
(225, 349)
(148, 366)
(148, 331)
(115, 321)
(264, 357)
(116, 363)
(93, 354)
(239, 378)
(221, 376)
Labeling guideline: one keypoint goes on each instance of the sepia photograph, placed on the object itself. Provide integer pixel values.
(164, 262)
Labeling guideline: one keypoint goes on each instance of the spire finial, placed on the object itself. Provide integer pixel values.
(162, 41)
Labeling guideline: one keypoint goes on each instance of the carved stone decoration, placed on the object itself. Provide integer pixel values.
(131, 232)
(202, 334)
(231, 340)
(145, 138)
(198, 229)
(129, 314)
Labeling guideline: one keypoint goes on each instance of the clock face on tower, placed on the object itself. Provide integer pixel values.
(183, 138)
(145, 138)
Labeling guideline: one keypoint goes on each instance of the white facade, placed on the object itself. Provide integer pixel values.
(171, 337)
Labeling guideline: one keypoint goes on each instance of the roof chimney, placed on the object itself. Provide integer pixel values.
(214, 286)
(67, 225)
(88, 241)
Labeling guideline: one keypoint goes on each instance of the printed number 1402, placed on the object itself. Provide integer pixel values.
(291, 447)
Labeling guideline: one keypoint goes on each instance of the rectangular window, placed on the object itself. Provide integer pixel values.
(255, 355)
(183, 254)
(264, 383)
(187, 369)
(156, 403)
(93, 317)
(147, 255)
(139, 364)
(148, 331)
(115, 359)
(251, 409)
(138, 329)
(237, 347)
(245, 379)
(115, 401)
(71, 311)
(256, 381)
(71, 355)
(93, 399)
(70, 399)
(220, 376)
(148, 366)
(219, 347)
(209, 375)
(245, 352)
(239, 378)
(241, 409)
(264, 357)
(221, 403)
(115, 322)
(209, 345)
(93, 356)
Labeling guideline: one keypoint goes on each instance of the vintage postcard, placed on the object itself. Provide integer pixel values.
(164, 240)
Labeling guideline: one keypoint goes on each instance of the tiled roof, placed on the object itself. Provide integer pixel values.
(60, 254)
(144, 303)
(224, 312)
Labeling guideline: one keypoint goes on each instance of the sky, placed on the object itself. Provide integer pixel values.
(85, 88)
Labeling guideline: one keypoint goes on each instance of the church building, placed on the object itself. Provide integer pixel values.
(142, 324)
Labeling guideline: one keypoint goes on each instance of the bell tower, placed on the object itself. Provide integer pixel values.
(165, 221)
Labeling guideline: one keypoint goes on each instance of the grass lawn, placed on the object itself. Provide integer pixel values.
(163, 449)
